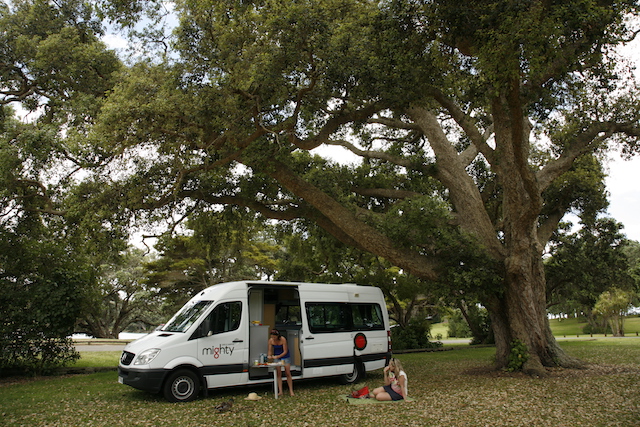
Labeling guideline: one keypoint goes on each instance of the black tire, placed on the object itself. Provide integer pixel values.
(182, 385)
(356, 375)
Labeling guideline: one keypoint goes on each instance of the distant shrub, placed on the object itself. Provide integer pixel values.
(458, 327)
(415, 336)
(33, 353)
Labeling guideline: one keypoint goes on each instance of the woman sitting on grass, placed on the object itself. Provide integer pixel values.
(395, 383)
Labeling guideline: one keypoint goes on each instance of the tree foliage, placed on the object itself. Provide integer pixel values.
(613, 306)
(586, 263)
(53, 63)
(218, 246)
(42, 290)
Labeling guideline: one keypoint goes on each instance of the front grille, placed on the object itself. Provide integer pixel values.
(126, 358)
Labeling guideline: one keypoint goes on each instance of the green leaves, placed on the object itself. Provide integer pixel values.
(52, 53)
(41, 290)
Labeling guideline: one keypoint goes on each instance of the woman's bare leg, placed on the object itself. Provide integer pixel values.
(384, 396)
(376, 391)
(287, 370)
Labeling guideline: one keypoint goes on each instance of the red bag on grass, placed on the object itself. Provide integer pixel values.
(362, 393)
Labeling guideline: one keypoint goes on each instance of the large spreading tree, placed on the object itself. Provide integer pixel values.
(476, 124)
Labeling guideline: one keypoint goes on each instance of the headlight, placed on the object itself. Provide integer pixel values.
(146, 356)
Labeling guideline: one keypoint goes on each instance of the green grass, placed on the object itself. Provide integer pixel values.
(98, 359)
(452, 388)
(559, 327)
(439, 329)
(562, 327)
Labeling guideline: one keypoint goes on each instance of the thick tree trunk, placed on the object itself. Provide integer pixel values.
(519, 313)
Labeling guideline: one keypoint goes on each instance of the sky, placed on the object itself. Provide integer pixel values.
(624, 195)
(622, 182)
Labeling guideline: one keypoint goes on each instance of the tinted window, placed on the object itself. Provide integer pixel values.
(288, 315)
(330, 317)
(224, 318)
(367, 317)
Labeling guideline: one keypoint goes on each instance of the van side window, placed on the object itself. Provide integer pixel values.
(367, 317)
(333, 317)
(328, 317)
(287, 315)
(224, 318)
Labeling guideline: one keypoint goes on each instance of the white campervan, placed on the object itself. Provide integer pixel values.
(216, 339)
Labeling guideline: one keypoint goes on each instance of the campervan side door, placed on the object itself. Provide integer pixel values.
(327, 341)
(223, 344)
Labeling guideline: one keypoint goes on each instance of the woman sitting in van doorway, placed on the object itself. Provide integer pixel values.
(279, 350)
(395, 383)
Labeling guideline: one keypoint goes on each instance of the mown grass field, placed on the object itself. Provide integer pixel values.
(450, 388)
(560, 328)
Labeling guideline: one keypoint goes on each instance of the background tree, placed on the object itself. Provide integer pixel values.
(121, 298)
(613, 306)
(632, 250)
(471, 320)
(42, 290)
(584, 264)
(40, 280)
(219, 246)
(53, 64)
(310, 254)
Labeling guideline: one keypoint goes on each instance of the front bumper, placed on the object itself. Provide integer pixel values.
(147, 380)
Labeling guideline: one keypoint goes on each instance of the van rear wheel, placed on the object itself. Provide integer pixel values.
(356, 375)
(181, 386)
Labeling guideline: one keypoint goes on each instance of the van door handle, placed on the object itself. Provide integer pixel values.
(309, 338)
(238, 340)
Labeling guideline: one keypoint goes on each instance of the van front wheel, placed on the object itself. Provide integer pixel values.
(356, 375)
(181, 386)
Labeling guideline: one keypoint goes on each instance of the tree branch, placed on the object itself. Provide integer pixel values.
(387, 193)
(467, 124)
(332, 125)
(342, 221)
(586, 141)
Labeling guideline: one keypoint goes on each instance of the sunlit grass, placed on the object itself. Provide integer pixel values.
(98, 359)
(559, 327)
(573, 327)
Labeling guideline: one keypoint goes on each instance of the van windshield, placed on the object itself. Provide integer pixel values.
(187, 316)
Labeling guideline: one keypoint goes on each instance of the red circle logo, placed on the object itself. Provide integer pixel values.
(360, 341)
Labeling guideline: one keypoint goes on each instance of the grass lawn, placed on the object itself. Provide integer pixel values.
(450, 388)
(560, 328)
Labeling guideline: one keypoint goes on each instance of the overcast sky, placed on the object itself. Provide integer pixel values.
(622, 182)
(624, 198)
